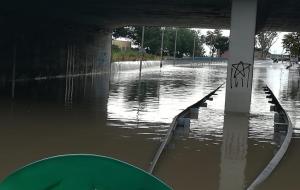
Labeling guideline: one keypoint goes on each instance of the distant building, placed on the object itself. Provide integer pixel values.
(123, 45)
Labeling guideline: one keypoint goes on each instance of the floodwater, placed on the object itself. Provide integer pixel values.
(125, 116)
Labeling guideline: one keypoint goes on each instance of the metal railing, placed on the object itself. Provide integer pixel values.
(286, 126)
(184, 114)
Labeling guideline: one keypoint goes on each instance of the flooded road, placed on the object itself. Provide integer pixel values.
(125, 116)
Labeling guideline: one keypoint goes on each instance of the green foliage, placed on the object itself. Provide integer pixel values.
(216, 41)
(222, 44)
(185, 43)
(115, 48)
(291, 42)
(131, 55)
(264, 41)
(125, 32)
(152, 40)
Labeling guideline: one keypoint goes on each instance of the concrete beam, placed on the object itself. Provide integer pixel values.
(272, 14)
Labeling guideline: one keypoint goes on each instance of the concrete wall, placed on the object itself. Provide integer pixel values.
(133, 65)
(53, 48)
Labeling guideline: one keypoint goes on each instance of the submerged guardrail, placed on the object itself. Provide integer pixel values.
(284, 124)
(176, 121)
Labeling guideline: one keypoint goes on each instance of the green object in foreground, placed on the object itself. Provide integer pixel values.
(81, 172)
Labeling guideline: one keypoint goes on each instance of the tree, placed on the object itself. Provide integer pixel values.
(265, 40)
(199, 50)
(221, 44)
(125, 32)
(291, 42)
(210, 40)
(185, 43)
(152, 40)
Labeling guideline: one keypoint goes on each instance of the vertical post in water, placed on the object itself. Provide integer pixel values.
(93, 69)
(86, 66)
(142, 49)
(67, 61)
(85, 74)
(162, 46)
(13, 78)
(240, 65)
(67, 73)
(73, 71)
(73, 60)
(194, 47)
(175, 45)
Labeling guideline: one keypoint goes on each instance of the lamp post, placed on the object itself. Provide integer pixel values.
(194, 47)
(162, 45)
(175, 45)
(142, 49)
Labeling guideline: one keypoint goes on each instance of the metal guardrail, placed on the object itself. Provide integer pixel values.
(286, 126)
(174, 124)
(205, 59)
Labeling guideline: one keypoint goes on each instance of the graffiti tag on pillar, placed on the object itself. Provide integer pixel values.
(240, 75)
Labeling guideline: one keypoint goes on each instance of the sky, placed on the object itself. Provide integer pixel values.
(275, 49)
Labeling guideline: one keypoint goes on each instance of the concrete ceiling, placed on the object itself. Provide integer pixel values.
(272, 14)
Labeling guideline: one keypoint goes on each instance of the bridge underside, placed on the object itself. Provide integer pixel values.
(64, 37)
(271, 14)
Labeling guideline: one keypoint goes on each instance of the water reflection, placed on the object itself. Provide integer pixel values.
(294, 85)
(234, 151)
(159, 95)
(69, 92)
(141, 90)
(125, 116)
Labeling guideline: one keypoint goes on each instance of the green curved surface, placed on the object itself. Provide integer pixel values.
(81, 172)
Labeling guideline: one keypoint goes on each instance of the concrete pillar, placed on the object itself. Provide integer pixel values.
(234, 151)
(240, 66)
(103, 50)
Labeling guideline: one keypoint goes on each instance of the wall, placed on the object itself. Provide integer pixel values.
(52, 48)
(132, 65)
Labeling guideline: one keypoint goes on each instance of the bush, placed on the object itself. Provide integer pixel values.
(130, 55)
